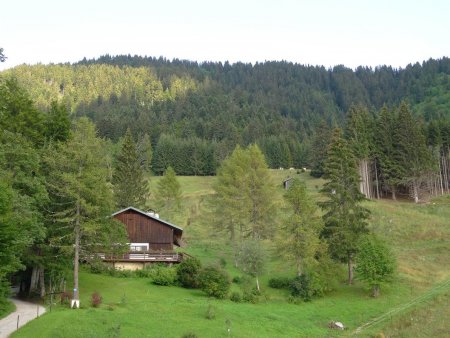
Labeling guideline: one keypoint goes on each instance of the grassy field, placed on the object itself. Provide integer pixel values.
(416, 304)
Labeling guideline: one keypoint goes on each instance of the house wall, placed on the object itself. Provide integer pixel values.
(143, 229)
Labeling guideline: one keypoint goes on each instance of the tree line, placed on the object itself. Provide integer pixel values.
(398, 153)
(278, 105)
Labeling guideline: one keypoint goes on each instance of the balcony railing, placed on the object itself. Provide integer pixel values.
(143, 257)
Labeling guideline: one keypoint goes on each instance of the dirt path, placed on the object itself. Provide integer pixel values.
(26, 312)
(427, 295)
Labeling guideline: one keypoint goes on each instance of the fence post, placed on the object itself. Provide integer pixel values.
(37, 311)
(17, 327)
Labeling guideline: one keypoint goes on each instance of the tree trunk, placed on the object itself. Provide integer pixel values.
(34, 280)
(394, 197)
(257, 283)
(76, 294)
(375, 290)
(350, 270)
(42, 282)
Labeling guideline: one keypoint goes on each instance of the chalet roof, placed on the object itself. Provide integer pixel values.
(149, 216)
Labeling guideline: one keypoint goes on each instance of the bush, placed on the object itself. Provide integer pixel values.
(163, 275)
(188, 272)
(237, 280)
(251, 296)
(189, 335)
(301, 288)
(236, 297)
(214, 282)
(96, 299)
(280, 282)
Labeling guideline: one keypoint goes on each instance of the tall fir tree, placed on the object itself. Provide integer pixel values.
(57, 122)
(344, 218)
(411, 151)
(320, 142)
(130, 185)
(391, 172)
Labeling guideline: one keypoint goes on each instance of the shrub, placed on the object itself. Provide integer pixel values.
(214, 282)
(251, 296)
(66, 296)
(236, 297)
(301, 288)
(280, 282)
(97, 266)
(96, 299)
(163, 275)
(237, 280)
(188, 272)
(189, 335)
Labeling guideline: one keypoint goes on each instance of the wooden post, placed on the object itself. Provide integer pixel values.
(17, 327)
(37, 311)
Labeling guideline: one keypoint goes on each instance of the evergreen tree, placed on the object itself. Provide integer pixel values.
(359, 133)
(411, 151)
(57, 122)
(320, 142)
(391, 172)
(344, 218)
(79, 186)
(169, 191)
(299, 236)
(130, 185)
(146, 153)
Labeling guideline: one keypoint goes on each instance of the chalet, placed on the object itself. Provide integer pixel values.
(151, 240)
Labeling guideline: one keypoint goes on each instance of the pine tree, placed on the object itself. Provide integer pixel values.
(391, 172)
(411, 151)
(57, 123)
(344, 218)
(320, 142)
(130, 185)
(359, 135)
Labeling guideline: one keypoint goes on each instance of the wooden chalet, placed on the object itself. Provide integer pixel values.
(151, 240)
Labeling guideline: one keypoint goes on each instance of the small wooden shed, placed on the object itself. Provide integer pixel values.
(287, 183)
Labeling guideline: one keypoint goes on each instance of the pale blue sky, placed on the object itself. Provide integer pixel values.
(323, 32)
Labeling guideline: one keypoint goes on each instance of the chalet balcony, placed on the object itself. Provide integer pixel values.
(140, 256)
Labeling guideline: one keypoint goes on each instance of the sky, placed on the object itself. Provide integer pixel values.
(315, 32)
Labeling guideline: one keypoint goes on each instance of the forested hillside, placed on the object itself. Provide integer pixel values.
(205, 109)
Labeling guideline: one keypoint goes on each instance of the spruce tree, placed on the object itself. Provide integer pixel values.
(391, 172)
(344, 218)
(130, 185)
(320, 142)
(411, 151)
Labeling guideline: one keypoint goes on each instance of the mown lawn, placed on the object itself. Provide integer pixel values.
(418, 234)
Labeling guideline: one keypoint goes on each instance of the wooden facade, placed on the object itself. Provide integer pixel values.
(148, 233)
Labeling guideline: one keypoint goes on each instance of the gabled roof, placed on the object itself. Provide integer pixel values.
(149, 216)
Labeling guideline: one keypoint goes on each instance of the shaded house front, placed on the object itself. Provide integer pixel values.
(151, 239)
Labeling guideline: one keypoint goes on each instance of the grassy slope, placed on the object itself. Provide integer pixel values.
(420, 237)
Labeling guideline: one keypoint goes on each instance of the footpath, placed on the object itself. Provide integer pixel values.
(25, 312)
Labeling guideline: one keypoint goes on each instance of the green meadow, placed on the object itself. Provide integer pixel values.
(415, 304)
